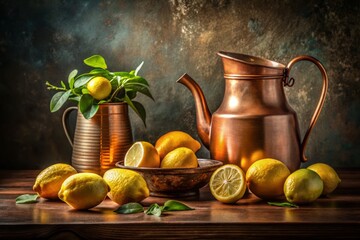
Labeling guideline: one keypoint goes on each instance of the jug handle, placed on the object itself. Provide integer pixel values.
(325, 83)
(65, 117)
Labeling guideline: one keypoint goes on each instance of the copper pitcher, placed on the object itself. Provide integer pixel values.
(254, 120)
(101, 141)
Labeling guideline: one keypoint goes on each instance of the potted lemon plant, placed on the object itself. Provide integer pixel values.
(101, 86)
(103, 131)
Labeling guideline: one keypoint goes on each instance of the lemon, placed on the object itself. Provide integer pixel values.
(303, 186)
(99, 88)
(329, 176)
(48, 182)
(227, 183)
(175, 139)
(142, 154)
(83, 190)
(181, 157)
(265, 178)
(125, 186)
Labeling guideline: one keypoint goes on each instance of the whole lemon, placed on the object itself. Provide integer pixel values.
(142, 154)
(125, 186)
(83, 190)
(303, 186)
(328, 175)
(99, 88)
(175, 139)
(265, 178)
(48, 182)
(181, 157)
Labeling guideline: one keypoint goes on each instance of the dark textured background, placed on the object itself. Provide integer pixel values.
(45, 40)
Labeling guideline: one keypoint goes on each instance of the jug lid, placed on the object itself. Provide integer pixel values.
(246, 65)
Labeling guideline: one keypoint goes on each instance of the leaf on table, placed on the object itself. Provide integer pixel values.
(129, 208)
(27, 198)
(172, 205)
(283, 204)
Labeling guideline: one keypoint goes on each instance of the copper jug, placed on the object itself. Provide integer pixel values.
(254, 120)
(101, 141)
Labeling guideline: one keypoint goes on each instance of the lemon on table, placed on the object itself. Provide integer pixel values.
(48, 181)
(265, 178)
(303, 186)
(126, 186)
(175, 139)
(142, 154)
(181, 157)
(99, 88)
(83, 190)
(227, 183)
(329, 176)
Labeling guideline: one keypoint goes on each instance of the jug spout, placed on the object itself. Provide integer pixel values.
(203, 115)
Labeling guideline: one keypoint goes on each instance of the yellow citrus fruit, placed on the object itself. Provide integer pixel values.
(142, 154)
(329, 176)
(99, 88)
(227, 183)
(175, 139)
(83, 190)
(126, 186)
(181, 157)
(303, 186)
(265, 178)
(49, 180)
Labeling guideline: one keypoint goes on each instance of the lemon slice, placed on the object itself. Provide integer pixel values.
(142, 154)
(227, 183)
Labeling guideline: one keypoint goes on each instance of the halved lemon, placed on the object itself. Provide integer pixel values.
(227, 183)
(142, 154)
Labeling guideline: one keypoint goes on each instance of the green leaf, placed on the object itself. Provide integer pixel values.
(82, 80)
(172, 205)
(283, 204)
(130, 208)
(96, 61)
(140, 88)
(71, 78)
(138, 68)
(154, 209)
(63, 84)
(85, 91)
(137, 79)
(58, 100)
(135, 108)
(87, 106)
(26, 198)
(141, 111)
(123, 74)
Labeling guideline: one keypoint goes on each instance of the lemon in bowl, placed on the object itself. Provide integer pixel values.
(175, 139)
(181, 157)
(142, 154)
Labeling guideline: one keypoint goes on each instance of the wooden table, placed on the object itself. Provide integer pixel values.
(337, 216)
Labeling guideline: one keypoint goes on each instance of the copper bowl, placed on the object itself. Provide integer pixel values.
(176, 182)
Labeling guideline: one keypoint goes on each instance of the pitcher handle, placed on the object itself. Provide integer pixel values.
(65, 117)
(325, 83)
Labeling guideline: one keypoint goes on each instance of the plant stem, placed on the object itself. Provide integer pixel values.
(52, 87)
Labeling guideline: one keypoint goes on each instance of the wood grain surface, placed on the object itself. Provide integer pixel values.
(335, 216)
